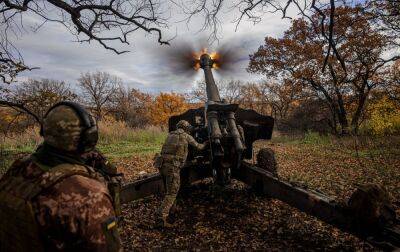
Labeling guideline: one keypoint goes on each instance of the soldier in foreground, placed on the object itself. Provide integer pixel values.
(64, 196)
(173, 157)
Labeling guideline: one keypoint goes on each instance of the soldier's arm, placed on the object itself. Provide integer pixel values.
(194, 143)
(78, 214)
(98, 161)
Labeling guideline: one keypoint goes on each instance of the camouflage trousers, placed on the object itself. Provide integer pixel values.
(171, 177)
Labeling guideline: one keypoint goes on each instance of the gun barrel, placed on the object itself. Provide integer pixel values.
(212, 91)
(235, 132)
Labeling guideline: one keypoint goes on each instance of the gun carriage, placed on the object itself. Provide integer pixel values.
(231, 132)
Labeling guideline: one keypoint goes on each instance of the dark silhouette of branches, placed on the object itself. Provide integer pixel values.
(253, 10)
(11, 61)
(107, 22)
(98, 89)
(111, 22)
(19, 107)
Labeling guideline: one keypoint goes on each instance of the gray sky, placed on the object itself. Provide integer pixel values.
(144, 67)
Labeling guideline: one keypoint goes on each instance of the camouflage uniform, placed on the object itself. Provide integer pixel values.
(174, 153)
(58, 200)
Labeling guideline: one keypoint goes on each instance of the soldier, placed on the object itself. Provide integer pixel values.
(173, 156)
(57, 198)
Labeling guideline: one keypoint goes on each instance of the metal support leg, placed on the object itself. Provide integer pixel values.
(308, 201)
(153, 185)
(317, 205)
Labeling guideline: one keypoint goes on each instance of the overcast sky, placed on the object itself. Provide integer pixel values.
(53, 49)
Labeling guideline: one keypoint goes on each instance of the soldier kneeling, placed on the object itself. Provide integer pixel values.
(56, 198)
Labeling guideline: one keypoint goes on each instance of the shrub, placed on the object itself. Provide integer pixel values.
(309, 115)
(385, 118)
(24, 141)
(311, 137)
(112, 131)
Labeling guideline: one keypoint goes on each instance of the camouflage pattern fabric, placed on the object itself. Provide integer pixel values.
(75, 213)
(100, 164)
(170, 174)
(174, 153)
(177, 143)
(62, 128)
(185, 125)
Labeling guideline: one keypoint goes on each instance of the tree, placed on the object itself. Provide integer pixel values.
(251, 97)
(386, 14)
(393, 82)
(98, 89)
(39, 95)
(228, 90)
(105, 22)
(299, 55)
(385, 117)
(281, 96)
(109, 21)
(132, 106)
(166, 105)
(33, 98)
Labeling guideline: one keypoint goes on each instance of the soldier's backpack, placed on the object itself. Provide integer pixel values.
(18, 227)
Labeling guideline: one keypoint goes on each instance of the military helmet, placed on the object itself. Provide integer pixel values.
(185, 125)
(68, 126)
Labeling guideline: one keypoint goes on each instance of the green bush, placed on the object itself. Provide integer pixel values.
(311, 137)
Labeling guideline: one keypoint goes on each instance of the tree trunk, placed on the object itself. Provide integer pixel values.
(342, 114)
(344, 124)
(356, 117)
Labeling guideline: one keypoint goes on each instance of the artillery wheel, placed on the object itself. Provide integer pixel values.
(266, 160)
(371, 207)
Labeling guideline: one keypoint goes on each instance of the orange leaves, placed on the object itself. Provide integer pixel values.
(300, 56)
(166, 105)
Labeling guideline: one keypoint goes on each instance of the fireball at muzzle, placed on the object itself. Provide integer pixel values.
(185, 59)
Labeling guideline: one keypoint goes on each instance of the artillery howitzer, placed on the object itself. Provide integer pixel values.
(231, 132)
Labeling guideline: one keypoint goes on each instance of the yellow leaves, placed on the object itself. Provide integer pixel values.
(8, 117)
(166, 105)
(385, 117)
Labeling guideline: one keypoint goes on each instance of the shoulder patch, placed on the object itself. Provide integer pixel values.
(111, 234)
(110, 223)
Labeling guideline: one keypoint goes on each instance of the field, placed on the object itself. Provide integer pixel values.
(236, 218)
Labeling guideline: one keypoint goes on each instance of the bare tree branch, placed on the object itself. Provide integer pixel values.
(20, 107)
(103, 21)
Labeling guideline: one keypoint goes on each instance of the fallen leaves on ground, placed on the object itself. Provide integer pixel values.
(235, 218)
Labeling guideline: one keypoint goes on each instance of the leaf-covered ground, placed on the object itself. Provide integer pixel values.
(235, 218)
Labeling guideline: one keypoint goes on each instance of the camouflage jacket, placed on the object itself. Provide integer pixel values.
(72, 214)
(176, 145)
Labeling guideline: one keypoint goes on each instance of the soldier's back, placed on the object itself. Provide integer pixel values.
(66, 208)
(175, 144)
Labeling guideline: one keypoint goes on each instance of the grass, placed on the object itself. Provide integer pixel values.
(332, 165)
(318, 161)
(336, 165)
(116, 140)
(127, 148)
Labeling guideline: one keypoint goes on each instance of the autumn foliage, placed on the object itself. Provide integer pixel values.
(165, 105)
(346, 83)
(308, 87)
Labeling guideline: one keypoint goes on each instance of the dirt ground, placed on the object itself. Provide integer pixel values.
(235, 218)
